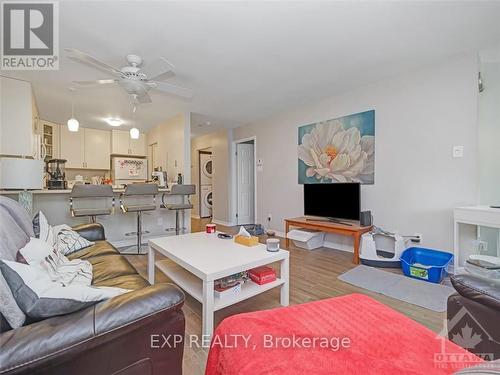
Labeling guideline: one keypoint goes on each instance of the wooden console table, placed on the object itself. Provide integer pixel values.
(354, 230)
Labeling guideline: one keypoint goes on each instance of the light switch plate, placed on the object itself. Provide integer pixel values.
(458, 151)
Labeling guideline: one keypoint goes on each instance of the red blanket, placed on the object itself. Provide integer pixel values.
(353, 334)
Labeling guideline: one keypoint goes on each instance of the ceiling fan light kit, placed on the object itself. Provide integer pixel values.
(134, 78)
(134, 133)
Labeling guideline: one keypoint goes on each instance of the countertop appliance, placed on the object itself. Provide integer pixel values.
(57, 175)
(160, 177)
(128, 170)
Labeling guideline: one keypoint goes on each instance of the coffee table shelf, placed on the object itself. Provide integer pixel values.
(195, 260)
(194, 286)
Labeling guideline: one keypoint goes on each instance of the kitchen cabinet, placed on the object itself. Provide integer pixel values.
(86, 148)
(122, 144)
(16, 117)
(72, 147)
(50, 136)
(97, 149)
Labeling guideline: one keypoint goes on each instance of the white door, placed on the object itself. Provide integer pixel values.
(97, 148)
(245, 183)
(72, 148)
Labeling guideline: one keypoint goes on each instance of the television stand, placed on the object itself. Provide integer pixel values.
(326, 225)
(330, 220)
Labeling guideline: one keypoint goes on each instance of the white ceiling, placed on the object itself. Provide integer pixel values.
(246, 61)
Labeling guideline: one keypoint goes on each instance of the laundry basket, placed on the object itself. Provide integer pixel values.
(306, 239)
(425, 264)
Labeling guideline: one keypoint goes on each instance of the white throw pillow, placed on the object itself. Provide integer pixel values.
(68, 241)
(35, 251)
(40, 298)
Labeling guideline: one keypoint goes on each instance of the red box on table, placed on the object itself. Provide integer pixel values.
(262, 275)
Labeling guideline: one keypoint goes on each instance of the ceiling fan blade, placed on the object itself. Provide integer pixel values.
(87, 59)
(158, 69)
(97, 82)
(142, 99)
(171, 89)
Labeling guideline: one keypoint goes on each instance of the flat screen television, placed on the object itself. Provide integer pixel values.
(333, 201)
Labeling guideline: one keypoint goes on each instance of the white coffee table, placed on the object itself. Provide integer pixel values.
(195, 260)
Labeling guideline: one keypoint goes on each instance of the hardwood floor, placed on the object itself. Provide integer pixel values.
(313, 276)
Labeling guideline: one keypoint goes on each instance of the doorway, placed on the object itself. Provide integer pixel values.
(245, 181)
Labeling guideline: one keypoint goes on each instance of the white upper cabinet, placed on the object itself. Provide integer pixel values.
(97, 149)
(138, 146)
(122, 144)
(72, 147)
(50, 136)
(86, 148)
(16, 118)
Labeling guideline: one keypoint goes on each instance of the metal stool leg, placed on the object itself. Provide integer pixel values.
(176, 222)
(139, 232)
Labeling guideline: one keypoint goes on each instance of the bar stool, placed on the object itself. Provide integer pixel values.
(180, 190)
(87, 192)
(141, 190)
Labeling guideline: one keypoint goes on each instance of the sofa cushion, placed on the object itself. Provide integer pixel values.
(98, 249)
(15, 229)
(110, 266)
(8, 305)
(131, 282)
(40, 298)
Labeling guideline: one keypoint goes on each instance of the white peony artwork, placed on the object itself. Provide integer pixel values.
(338, 150)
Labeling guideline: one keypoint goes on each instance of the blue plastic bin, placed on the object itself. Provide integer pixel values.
(425, 264)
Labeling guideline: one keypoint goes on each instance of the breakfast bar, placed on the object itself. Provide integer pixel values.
(55, 204)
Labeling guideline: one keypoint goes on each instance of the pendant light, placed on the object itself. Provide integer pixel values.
(73, 123)
(134, 133)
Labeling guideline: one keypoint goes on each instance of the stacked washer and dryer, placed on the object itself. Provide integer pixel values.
(205, 184)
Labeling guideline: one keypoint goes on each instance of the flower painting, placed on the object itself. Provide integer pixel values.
(338, 150)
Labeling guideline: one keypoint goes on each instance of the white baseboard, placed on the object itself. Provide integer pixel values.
(193, 216)
(221, 222)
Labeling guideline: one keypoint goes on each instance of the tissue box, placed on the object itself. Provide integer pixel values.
(247, 241)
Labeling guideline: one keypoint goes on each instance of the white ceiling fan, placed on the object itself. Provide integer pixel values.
(135, 79)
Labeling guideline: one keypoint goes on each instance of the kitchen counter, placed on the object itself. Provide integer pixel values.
(66, 191)
(120, 227)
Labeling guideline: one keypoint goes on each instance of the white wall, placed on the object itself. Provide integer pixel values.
(171, 140)
(489, 148)
(489, 134)
(219, 143)
(419, 117)
(174, 151)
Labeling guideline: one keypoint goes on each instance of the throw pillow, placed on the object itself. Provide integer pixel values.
(36, 224)
(34, 252)
(40, 298)
(68, 241)
(8, 306)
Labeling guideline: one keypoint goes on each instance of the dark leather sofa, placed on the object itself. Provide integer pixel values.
(474, 315)
(111, 337)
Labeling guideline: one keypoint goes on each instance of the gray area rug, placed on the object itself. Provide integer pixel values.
(421, 293)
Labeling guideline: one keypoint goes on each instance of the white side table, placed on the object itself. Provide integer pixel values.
(474, 215)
